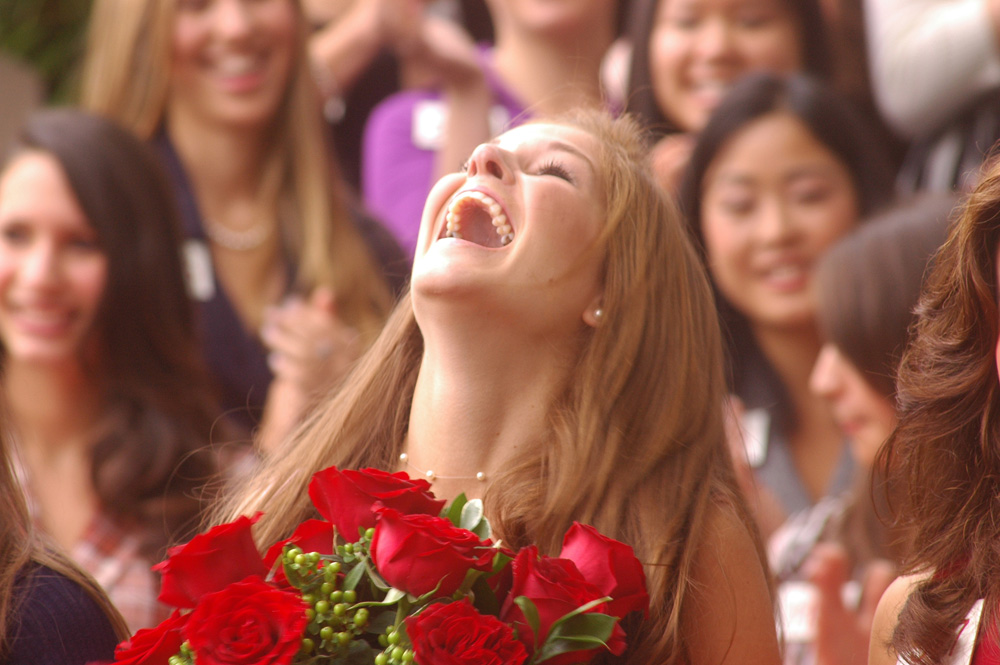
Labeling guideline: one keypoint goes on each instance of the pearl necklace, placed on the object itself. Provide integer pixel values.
(431, 476)
(238, 241)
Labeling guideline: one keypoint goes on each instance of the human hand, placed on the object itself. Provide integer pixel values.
(445, 53)
(843, 632)
(309, 346)
(670, 158)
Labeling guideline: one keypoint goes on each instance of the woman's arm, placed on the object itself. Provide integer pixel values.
(731, 618)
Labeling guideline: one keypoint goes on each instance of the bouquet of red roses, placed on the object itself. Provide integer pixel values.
(389, 576)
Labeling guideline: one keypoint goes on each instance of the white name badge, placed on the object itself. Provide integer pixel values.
(197, 262)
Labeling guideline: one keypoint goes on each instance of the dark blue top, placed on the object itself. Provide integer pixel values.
(56, 622)
(235, 356)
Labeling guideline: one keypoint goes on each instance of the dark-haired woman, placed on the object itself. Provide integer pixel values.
(105, 391)
(780, 173)
(866, 288)
(945, 454)
(687, 54)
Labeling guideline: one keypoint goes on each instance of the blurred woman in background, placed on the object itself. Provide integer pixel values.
(292, 279)
(106, 392)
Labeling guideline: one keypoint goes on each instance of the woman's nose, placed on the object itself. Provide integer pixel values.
(233, 19)
(488, 160)
(823, 380)
(41, 265)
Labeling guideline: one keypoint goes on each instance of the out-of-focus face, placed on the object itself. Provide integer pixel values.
(699, 48)
(52, 269)
(231, 61)
(865, 415)
(773, 200)
(518, 228)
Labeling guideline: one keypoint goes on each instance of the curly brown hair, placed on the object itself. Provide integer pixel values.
(944, 450)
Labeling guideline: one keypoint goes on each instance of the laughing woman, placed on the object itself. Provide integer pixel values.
(572, 371)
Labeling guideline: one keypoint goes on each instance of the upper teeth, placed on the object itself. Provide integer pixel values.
(500, 223)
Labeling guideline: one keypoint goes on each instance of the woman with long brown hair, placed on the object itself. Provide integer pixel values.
(573, 373)
(106, 395)
(50, 610)
(945, 455)
(291, 279)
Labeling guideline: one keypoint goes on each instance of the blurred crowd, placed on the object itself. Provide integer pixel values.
(197, 252)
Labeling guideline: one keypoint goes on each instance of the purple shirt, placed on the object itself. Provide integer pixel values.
(399, 146)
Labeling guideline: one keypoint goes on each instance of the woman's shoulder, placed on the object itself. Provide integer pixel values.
(57, 622)
(731, 618)
(886, 617)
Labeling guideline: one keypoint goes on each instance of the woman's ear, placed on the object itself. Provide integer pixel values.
(594, 314)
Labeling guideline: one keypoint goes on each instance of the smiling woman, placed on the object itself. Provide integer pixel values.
(574, 373)
(290, 277)
(689, 53)
(104, 390)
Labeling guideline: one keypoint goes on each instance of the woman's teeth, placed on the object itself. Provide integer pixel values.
(462, 208)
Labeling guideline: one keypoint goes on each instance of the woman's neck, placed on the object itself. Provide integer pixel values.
(570, 77)
(477, 405)
(225, 167)
(816, 443)
(52, 407)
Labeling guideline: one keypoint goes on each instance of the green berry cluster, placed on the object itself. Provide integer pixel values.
(334, 622)
(184, 657)
(394, 653)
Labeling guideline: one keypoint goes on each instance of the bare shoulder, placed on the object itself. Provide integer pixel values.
(729, 616)
(886, 616)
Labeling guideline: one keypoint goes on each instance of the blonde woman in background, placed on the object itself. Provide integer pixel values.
(292, 279)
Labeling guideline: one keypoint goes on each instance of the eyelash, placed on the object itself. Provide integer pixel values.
(553, 167)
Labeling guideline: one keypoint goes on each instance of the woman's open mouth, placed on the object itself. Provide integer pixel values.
(477, 218)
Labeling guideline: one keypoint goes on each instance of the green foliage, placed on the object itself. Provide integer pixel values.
(48, 35)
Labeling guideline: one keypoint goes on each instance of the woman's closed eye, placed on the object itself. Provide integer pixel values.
(556, 169)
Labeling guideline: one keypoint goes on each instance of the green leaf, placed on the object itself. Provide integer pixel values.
(472, 515)
(586, 607)
(553, 648)
(393, 596)
(530, 615)
(454, 511)
(483, 529)
(485, 600)
(577, 631)
(593, 625)
(352, 578)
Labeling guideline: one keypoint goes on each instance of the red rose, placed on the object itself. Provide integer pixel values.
(247, 622)
(152, 646)
(416, 552)
(209, 562)
(556, 588)
(347, 497)
(311, 536)
(609, 565)
(456, 634)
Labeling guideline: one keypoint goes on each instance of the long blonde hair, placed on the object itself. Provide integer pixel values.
(126, 77)
(635, 443)
(21, 547)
